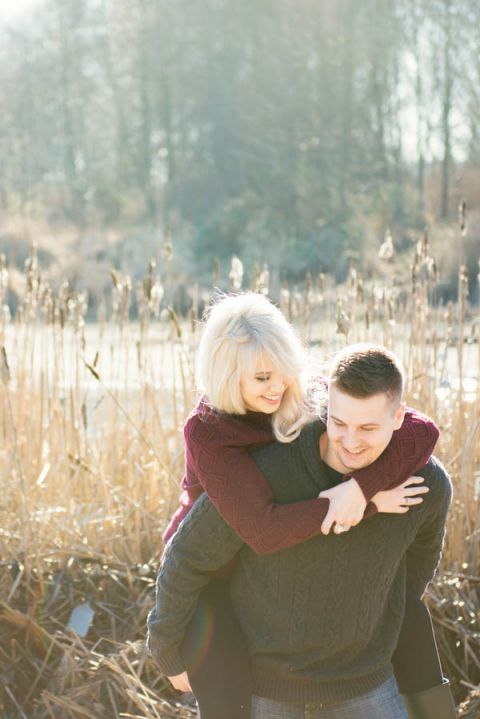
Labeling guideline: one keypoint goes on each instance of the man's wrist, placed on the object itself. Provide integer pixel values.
(170, 663)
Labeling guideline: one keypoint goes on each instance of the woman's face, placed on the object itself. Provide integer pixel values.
(263, 390)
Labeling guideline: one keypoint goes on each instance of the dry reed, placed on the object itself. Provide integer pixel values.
(91, 458)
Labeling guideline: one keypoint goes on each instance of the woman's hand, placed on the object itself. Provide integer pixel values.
(180, 682)
(347, 505)
(399, 499)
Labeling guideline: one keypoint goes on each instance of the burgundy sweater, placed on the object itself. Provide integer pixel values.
(217, 462)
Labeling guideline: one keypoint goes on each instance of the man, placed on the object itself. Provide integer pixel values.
(322, 619)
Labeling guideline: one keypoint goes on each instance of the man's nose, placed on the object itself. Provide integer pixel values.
(350, 440)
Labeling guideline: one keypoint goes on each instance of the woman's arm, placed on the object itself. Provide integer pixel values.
(240, 492)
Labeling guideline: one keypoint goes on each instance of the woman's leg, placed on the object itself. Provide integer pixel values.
(216, 655)
(425, 693)
(415, 662)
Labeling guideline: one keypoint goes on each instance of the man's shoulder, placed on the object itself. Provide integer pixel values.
(272, 455)
(307, 440)
(204, 525)
(293, 469)
(436, 478)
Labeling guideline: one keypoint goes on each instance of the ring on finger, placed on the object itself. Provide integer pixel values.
(339, 528)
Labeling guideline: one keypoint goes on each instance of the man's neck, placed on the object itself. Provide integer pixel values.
(328, 457)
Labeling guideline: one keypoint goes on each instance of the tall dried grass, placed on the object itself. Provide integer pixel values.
(91, 458)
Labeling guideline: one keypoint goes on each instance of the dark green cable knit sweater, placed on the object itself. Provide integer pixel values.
(321, 619)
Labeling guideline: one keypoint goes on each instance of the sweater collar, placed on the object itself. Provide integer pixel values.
(309, 444)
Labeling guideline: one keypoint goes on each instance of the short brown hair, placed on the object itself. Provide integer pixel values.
(365, 370)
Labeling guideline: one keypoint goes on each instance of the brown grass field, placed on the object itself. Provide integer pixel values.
(91, 459)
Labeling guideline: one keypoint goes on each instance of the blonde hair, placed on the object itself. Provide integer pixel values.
(239, 330)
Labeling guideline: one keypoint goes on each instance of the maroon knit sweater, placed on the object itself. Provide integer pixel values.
(217, 462)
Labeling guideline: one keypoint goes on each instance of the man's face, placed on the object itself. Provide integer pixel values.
(358, 430)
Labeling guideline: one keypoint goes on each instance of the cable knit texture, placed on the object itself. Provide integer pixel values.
(321, 619)
(217, 462)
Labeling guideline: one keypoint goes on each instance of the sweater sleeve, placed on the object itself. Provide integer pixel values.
(423, 555)
(241, 493)
(409, 450)
(202, 544)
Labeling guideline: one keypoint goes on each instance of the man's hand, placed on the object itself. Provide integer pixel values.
(399, 499)
(347, 505)
(180, 682)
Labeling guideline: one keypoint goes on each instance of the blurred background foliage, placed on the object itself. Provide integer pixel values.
(287, 132)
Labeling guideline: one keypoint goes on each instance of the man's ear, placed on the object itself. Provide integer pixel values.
(399, 415)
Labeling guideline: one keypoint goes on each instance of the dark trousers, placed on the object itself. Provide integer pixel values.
(415, 661)
(216, 655)
(219, 671)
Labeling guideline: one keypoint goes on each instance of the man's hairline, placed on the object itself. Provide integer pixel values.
(394, 398)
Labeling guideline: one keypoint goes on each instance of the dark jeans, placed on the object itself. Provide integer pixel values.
(219, 671)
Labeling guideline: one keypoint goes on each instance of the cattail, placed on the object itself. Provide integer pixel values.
(168, 247)
(84, 416)
(156, 296)
(93, 371)
(115, 279)
(236, 273)
(321, 286)
(387, 249)
(367, 319)
(448, 315)
(175, 322)
(432, 271)
(215, 271)
(462, 217)
(285, 301)
(462, 285)
(265, 280)
(146, 286)
(4, 368)
(463, 273)
(360, 291)
(308, 290)
(352, 278)
(343, 320)
(255, 277)
(193, 318)
(3, 278)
